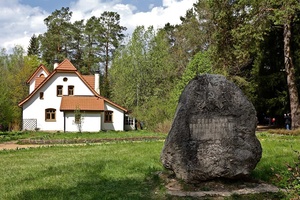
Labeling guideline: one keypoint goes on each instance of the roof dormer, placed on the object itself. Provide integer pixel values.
(37, 77)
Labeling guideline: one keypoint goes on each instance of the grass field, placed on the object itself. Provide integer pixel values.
(118, 170)
(108, 171)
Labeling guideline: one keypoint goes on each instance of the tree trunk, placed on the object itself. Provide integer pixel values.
(290, 72)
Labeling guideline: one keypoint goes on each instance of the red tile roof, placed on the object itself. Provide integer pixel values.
(66, 65)
(38, 81)
(90, 79)
(84, 103)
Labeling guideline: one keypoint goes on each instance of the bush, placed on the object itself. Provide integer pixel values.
(163, 127)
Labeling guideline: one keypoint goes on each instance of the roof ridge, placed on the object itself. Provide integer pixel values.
(66, 65)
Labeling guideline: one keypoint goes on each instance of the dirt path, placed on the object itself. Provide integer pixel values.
(12, 145)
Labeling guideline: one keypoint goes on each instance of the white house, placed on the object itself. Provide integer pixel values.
(64, 100)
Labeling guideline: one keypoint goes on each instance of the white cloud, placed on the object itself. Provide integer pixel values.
(19, 22)
(168, 3)
(130, 18)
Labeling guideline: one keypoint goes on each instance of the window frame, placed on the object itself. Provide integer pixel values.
(50, 115)
(129, 121)
(59, 90)
(71, 90)
(108, 116)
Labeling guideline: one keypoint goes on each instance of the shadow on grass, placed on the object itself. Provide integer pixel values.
(102, 189)
(93, 185)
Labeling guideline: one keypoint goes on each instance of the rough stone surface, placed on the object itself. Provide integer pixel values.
(213, 132)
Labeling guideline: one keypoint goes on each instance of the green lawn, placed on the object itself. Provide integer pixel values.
(116, 170)
(278, 152)
(108, 171)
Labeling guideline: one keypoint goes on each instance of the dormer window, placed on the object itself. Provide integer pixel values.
(59, 90)
(71, 90)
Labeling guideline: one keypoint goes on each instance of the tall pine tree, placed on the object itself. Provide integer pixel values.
(34, 46)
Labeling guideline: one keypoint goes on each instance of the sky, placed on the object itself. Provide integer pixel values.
(20, 19)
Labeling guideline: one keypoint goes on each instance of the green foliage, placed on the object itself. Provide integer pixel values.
(91, 44)
(186, 39)
(110, 36)
(142, 76)
(34, 46)
(14, 70)
(88, 45)
(11, 136)
(200, 64)
(56, 42)
(79, 119)
(247, 44)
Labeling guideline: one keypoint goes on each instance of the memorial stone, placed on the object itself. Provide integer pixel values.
(213, 132)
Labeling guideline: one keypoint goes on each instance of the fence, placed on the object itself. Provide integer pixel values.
(29, 124)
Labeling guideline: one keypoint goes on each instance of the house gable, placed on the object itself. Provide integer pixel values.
(37, 77)
(66, 67)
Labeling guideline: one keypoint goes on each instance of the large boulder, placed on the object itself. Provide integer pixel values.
(213, 132)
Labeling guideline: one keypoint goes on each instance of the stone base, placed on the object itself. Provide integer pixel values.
(216, 188)
(260, 188)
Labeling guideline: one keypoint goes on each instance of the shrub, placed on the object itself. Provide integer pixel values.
(163, 127)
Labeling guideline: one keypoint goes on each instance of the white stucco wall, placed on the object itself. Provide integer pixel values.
(91, 122)
(118, 118)
(35, 107)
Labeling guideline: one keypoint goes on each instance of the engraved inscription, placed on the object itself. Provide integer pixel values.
(211, 129)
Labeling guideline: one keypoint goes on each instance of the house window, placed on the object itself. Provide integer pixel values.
(41, 95)
(50, 115)
(128, 120)
(59, 90)
(65, 79)
(108, 115)
(70, 90)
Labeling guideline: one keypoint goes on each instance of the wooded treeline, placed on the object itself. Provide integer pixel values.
(253, 43)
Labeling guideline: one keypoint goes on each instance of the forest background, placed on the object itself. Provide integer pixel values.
(253, 43)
